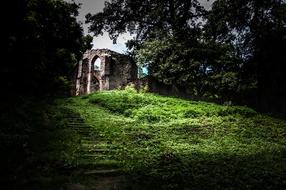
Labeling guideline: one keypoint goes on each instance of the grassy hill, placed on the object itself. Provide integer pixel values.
(170, 143)
(146, 141)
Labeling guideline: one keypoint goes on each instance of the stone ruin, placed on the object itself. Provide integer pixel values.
(103, 69)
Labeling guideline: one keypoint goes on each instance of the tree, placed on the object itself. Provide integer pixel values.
(204, 69)
(171, 41)
(147, 18)
(44, 42)
(257, 29)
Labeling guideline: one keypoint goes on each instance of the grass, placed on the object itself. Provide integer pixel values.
(160, 142)
(170, 143)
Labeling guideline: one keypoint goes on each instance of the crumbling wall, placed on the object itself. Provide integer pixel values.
(116, 71)
(123, 70)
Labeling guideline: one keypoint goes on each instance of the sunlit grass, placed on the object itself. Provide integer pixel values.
(170, 143)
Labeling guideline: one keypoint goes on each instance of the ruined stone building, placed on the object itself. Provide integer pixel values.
(103, 69)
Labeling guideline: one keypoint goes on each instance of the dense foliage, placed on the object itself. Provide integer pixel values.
(202, 69)
(235, 51)
(257, 29)
(43, 44)
(232, 52)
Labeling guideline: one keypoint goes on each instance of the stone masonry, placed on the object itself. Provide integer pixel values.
(103, 69)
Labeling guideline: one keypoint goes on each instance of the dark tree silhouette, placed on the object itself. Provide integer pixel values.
(43, 43)
(257, 30)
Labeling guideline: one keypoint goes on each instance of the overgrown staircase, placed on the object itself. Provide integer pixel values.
(95, 163)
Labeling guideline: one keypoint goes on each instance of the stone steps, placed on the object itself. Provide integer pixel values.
(96, 159)
(88, 164)
(103, 172)
(95, 155)
(76, 123)
(96, 151)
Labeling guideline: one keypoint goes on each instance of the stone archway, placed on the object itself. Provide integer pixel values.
(103, 69)
(96, 64)
(97, 72)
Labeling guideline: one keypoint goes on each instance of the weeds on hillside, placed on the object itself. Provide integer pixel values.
(170, 143)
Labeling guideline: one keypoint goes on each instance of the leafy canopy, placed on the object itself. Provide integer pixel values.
(235, 51)
(147, 18)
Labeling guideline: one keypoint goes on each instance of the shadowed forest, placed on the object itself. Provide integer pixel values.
(224, 129)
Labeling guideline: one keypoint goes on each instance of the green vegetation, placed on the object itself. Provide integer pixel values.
(232, 51)
(141, 141)
(169, 143)
(48, 42)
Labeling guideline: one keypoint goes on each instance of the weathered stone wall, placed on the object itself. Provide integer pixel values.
(122, 72)
(116, 71)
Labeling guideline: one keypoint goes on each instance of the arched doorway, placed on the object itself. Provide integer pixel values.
(97, 64)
